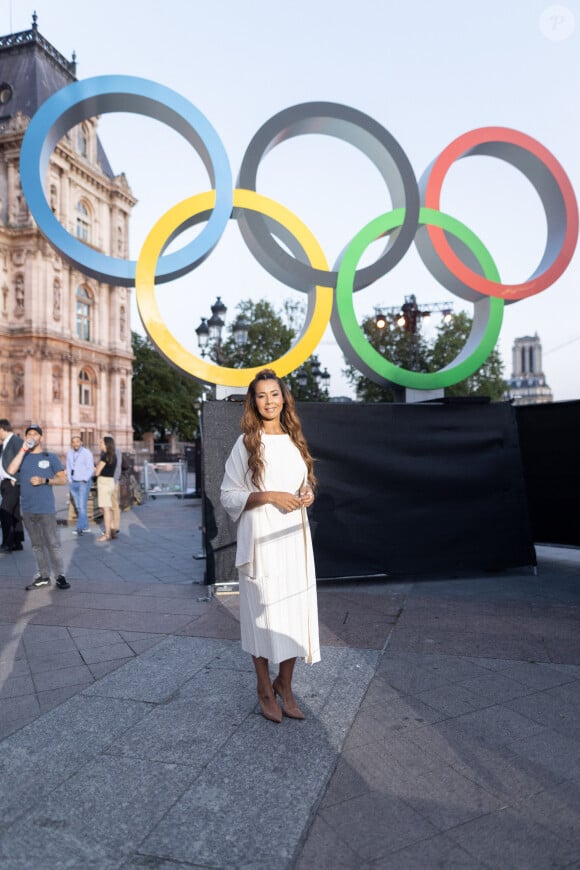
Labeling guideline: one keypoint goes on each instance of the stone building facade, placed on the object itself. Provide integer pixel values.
(527, 385)
(65, 339)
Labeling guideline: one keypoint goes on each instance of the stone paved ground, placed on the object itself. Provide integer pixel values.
(442, 730)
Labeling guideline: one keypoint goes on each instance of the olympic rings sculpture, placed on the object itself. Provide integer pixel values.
(449, 250)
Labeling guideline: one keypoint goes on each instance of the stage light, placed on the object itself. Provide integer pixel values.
(380, 321)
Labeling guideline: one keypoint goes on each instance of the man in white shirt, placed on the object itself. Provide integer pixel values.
(10, 516)
(80, 467)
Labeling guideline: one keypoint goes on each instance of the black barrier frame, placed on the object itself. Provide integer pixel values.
(404, 489)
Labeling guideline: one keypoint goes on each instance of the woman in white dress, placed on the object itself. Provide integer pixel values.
(268, 484)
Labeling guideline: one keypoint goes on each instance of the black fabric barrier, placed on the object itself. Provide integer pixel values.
(549, 440)
(403, 489)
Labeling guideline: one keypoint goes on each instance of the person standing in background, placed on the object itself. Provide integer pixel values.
(10, 516)
(105, 472)
(116, 496)
(39, 472)
(80, 467)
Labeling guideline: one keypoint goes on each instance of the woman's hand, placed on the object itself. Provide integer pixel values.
(285, 501)
(306, 495)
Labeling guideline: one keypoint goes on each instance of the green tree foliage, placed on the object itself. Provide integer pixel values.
(412, 351)
(402, 348)
(270, 335)
(486, 381)
(164, 401)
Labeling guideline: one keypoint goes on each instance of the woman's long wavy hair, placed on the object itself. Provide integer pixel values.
(252, 425)
(109, 443)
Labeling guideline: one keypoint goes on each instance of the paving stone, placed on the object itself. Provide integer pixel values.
(454, 700)
(507, 839)
(214, 622)
(376, 823)
(45, 753)
(555, 708)
(557, 809)
(15, 668)
(107, 653)
(17, 712)
(214, 823)
(90, 821)
(13, 687)
(38, 648)
(552, 751)
(157, 674)
(101, 669)
(54, 662)
(79, 675)
(502, 772)
(538, 675)
(434, 852)
(35, 634)
(495, 688)
(445, 797)
(53, 697)
(139, 646)
(88, 638)
(492, 726)
(325, 851)
(347, 781)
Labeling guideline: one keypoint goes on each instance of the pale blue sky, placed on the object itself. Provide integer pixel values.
(426, 71)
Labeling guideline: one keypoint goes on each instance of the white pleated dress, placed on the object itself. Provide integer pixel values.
(274, 558)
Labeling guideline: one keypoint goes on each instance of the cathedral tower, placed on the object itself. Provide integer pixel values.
(527, 385)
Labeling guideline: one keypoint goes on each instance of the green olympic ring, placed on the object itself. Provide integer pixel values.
(487, 314)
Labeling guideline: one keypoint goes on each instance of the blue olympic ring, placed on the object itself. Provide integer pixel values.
(84, 99)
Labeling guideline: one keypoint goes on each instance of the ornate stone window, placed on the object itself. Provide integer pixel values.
(53, 198)
(84, 314)
(83, 224)
(86, 388)
(82, 141)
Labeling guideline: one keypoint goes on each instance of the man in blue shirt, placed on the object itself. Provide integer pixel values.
(80, 467)
(39, 472)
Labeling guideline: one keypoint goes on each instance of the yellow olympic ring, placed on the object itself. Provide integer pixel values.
(170, 225)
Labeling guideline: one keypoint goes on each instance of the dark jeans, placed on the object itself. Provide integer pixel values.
(10, 516)
(45, 540)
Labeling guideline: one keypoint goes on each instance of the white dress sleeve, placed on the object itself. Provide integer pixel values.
(235, 490)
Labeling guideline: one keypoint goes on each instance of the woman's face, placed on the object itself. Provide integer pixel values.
(103, 445)
(269, 401)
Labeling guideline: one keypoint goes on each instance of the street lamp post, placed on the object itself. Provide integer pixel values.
(321, 378)
(209, 337)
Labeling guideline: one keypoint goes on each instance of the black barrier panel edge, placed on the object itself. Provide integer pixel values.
(549, 438)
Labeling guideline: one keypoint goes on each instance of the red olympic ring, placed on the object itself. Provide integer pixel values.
(554, 188)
